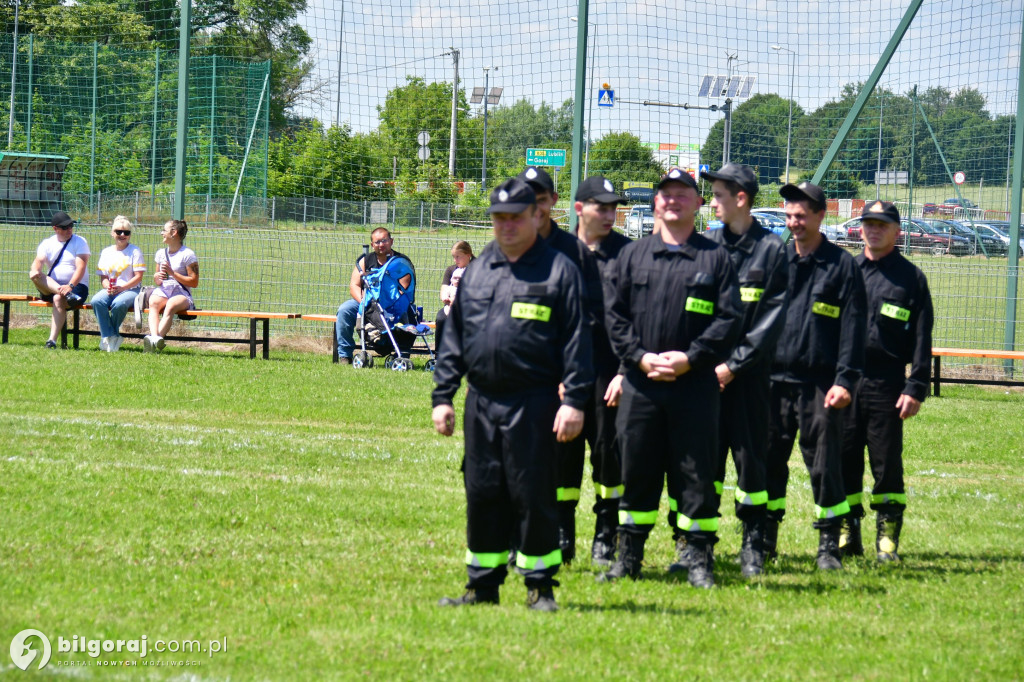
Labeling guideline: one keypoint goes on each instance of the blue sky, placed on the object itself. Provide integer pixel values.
(659, 51)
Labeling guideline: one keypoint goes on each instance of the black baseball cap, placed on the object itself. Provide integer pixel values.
(738, 173)
(61, 219)
(512, 196)
(677, 175)
(600, 189)
(805, 191)
(885, 211)
(538, 179)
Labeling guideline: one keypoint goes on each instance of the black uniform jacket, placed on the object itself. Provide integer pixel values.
(684, 300)
(577, 252)
(759, 258)
(900, 320)
(517, 327)
(606, 363)
(823, 340)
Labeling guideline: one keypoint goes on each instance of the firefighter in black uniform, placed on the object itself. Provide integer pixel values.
(899, 332)
(569, 454)
(818, 361)
(759, 258)
(674, 318)
(595, 206)
(516, 331)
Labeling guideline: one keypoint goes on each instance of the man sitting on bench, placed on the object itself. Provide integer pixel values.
(349, 310)
(66, 282)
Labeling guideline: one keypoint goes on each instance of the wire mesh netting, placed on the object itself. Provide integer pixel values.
(352, 115)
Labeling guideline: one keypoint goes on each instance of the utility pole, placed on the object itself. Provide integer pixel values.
(455, 110)
(14, 71)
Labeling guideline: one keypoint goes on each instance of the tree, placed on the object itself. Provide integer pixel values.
(758, 139)
(622, 157)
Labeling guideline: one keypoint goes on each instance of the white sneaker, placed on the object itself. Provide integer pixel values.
(104, 343)
(114, 344)
(147, 344)
(159, 341)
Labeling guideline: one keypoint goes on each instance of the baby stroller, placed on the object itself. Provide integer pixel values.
(388, 322)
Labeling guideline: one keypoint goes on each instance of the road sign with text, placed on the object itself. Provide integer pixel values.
(545, 157)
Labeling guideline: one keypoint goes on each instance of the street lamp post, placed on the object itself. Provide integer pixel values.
(483, 174)
(789, 128)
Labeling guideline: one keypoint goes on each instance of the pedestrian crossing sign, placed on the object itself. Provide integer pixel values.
(605, 98)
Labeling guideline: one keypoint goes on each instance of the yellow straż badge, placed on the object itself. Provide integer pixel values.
(531, 311)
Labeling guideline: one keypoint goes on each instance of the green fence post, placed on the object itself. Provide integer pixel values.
(913, 144)
(1013, 261)
(152, 165)
(580, 103)
(266, 136)
(181, 150)
(95, 93)
(213, 127)
(28, 123)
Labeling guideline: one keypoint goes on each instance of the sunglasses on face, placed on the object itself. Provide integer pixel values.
(381, 242)
(123, 233)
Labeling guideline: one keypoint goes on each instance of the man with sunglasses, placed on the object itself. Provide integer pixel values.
(60, 272)
(381, 241)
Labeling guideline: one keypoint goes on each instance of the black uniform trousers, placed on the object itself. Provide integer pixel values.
(599, 432)
(872, 420)
(509, 472)
(668, 433)
(743, 428)
(802, 406)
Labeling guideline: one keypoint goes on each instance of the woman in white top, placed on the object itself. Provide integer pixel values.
(177, 274)
(120, 269)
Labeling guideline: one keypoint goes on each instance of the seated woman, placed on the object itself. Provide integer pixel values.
(177, 274)
(120, 269)
(462, 254)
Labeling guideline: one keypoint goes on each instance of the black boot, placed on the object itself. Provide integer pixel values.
(752, 551)
(889, 525)
(480, 595)
(541, 599)
(567, 531)
(702, 564)
(629, 560)
(771, 540)
(828, 549)
(684, 554)
(850, 542)
(602, 552)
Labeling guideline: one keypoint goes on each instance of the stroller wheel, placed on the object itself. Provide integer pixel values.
(429, 366)
(389, 361)
(401, 365)
(362, 359)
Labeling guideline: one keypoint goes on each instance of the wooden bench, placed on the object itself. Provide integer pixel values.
(939, 353)
(253, 339)
(7, 299)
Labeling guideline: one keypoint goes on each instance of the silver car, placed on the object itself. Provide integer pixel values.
(639, 222)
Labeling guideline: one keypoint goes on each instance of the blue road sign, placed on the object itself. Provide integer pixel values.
(704, 168)
(605, 98)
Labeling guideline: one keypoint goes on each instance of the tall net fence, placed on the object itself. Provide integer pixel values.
(358, 126)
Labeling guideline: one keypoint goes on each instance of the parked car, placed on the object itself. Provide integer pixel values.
(998, 229)
(947, 240)
(959, 203)
(982, 242)
(770, 221)
(929, 209)
(639, 222)
(915, 235)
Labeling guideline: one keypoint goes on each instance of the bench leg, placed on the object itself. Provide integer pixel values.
(334, 343)
(937, 376)
(252, 338)
(64, 335)
(74, 334)
(266, 339)
(7, 319)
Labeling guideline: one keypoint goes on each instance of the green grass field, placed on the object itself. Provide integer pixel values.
(308, 515)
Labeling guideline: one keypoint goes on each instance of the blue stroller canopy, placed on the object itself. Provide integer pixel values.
(383, 286)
